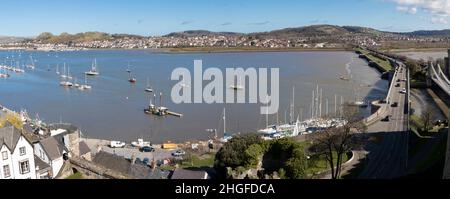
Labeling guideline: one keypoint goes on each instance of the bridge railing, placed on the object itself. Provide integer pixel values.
(382, 110)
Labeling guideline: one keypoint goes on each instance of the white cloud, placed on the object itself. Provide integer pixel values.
(439, 20)
(437, 7)
(410, 10)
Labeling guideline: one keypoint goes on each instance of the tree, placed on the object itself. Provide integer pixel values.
(427, 116)
(296, 165)
(233, 153)
(336, 142)
(413, 66)
(253, 155)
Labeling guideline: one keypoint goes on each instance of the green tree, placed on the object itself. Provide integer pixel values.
(296, 165)
(413, 66)
(253, 155)
(233, 153)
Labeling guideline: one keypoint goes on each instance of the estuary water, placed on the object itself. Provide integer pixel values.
(113, 109)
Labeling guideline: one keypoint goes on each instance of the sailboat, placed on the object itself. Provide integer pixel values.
(237, 86)
(128, 68)
(76, 85)
(64, 81)
(68, 73)
(93, 71)
(226, 137)
(85, 86)
(64, 76)
(132, 79)
(31, 65)
(148, 88)
(57, 69)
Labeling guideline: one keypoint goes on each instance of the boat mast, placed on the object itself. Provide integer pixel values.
(313, 105)
(267, 112)
(335, 105)
(224, 121)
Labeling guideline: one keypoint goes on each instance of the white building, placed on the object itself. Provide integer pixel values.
(51, 152)
(16, 155)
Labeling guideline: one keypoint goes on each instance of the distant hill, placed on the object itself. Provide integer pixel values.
(197, 33)
(47, 37)
(307, 31)
(315, 31)
(8, 39)
(427, 33)
(325, 31)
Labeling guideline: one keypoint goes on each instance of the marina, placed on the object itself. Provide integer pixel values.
(113, 109)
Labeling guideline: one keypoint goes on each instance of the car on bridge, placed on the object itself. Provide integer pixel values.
(394, 104)
(403, 91)
(386, 119)
(397, 85)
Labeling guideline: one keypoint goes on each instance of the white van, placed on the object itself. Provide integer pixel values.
(117, 144)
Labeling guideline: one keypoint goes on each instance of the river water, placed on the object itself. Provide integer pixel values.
(113, 109)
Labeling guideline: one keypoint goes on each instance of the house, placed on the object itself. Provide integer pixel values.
(51, 152)
(184, 174)
(67, 135)
(16, 155)
(43, 170)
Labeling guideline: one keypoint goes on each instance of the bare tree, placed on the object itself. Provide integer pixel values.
(336, 142)
(427, 116)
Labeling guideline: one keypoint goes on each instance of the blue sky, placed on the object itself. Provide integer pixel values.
(158, 17)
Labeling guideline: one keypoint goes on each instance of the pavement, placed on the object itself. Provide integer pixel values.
(128, 151)
(387, 158)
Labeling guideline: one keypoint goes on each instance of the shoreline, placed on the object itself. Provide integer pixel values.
(192, 50)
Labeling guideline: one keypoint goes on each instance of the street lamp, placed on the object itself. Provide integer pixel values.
(212, 131)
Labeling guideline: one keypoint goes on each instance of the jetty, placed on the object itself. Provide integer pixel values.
(161, 110)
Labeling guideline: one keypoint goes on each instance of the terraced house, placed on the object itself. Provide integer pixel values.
(17, 156)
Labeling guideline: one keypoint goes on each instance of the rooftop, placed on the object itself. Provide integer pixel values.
(122, 165)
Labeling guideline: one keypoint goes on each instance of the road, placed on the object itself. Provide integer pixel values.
(387, 158)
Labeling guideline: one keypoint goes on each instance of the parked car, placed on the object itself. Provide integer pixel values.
(178, 153)
(147, 149)
(146, 161)
(117, 144)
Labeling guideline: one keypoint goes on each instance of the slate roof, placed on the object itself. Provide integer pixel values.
(84, 148)
(184, 174)
(9, 136)
(41, 164)
(124, 166)
(53, 149)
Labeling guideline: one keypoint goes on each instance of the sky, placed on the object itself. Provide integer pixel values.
(160, 17)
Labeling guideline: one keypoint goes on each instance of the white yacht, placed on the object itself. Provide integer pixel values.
(94, 70)
(148, 88)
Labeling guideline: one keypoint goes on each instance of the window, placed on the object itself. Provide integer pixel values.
(5, 155)
(6, 171)
(22, 151)
(24, 167)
